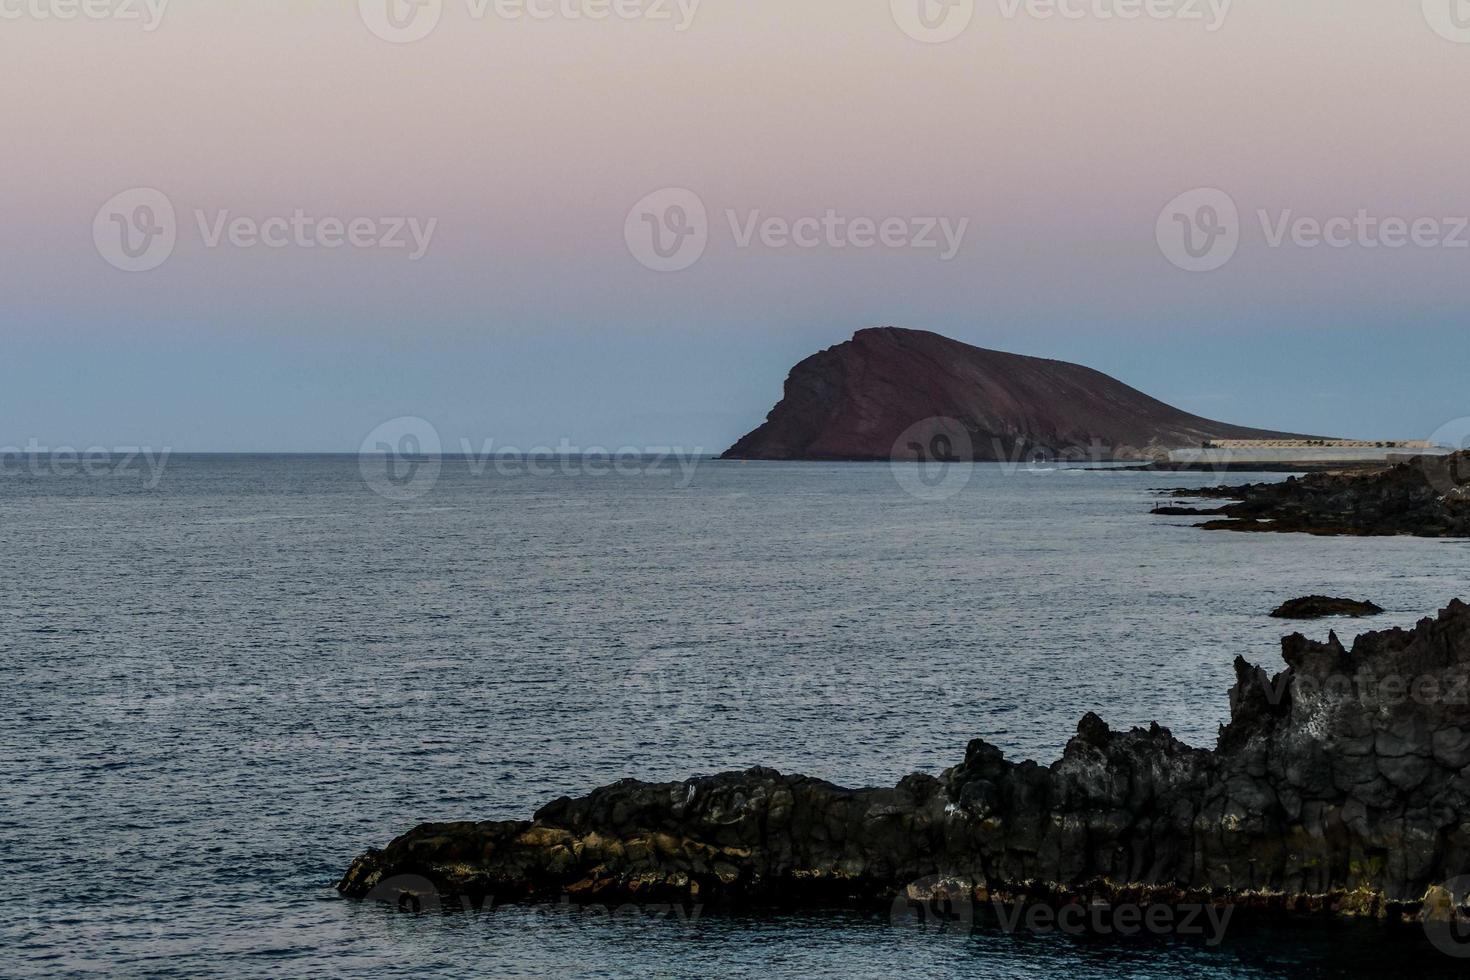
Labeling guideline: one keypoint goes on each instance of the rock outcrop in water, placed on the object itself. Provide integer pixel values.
(1427, 496)
(1340, 786)
(908, 394)
(1321, 606)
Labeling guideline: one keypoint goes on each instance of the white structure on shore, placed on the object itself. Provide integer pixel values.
(1312, 452)
(1316, 444)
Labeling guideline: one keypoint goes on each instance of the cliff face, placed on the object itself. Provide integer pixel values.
(877, 397)
(1341, 785)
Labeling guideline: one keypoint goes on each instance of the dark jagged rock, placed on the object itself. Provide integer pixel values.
(909, 394)
(1340, 786)
(1186, 511)
(1321, 606)
(1427, 496)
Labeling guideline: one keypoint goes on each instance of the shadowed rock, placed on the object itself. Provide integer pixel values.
(1427, 496)
(1320, 606)
(1164, 511)
(1339, 786)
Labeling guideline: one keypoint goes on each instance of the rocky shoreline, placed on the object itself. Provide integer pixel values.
(1427, 496)
(1340, 787)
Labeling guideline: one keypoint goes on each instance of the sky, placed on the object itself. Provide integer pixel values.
(275, 225)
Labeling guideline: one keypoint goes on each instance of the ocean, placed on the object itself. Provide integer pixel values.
(227, 678)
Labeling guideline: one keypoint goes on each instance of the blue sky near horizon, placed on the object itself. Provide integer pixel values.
(655, 388)
(532, 316)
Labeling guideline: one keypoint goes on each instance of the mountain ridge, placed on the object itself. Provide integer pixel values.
(895, 393)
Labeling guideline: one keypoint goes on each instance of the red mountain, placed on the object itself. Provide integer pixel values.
(905, 394)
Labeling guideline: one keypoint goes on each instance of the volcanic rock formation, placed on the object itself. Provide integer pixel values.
(1428, 496)
(1321, 606)
(908, 394)
(1340, 786)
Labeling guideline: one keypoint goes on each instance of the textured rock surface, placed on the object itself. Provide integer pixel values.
(1339, 786)
(1319, 606)
(862, 399)
(1426, 496)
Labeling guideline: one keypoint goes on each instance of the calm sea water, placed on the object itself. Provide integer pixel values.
(221, 688)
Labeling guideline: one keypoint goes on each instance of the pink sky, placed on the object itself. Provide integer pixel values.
(528, 142)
